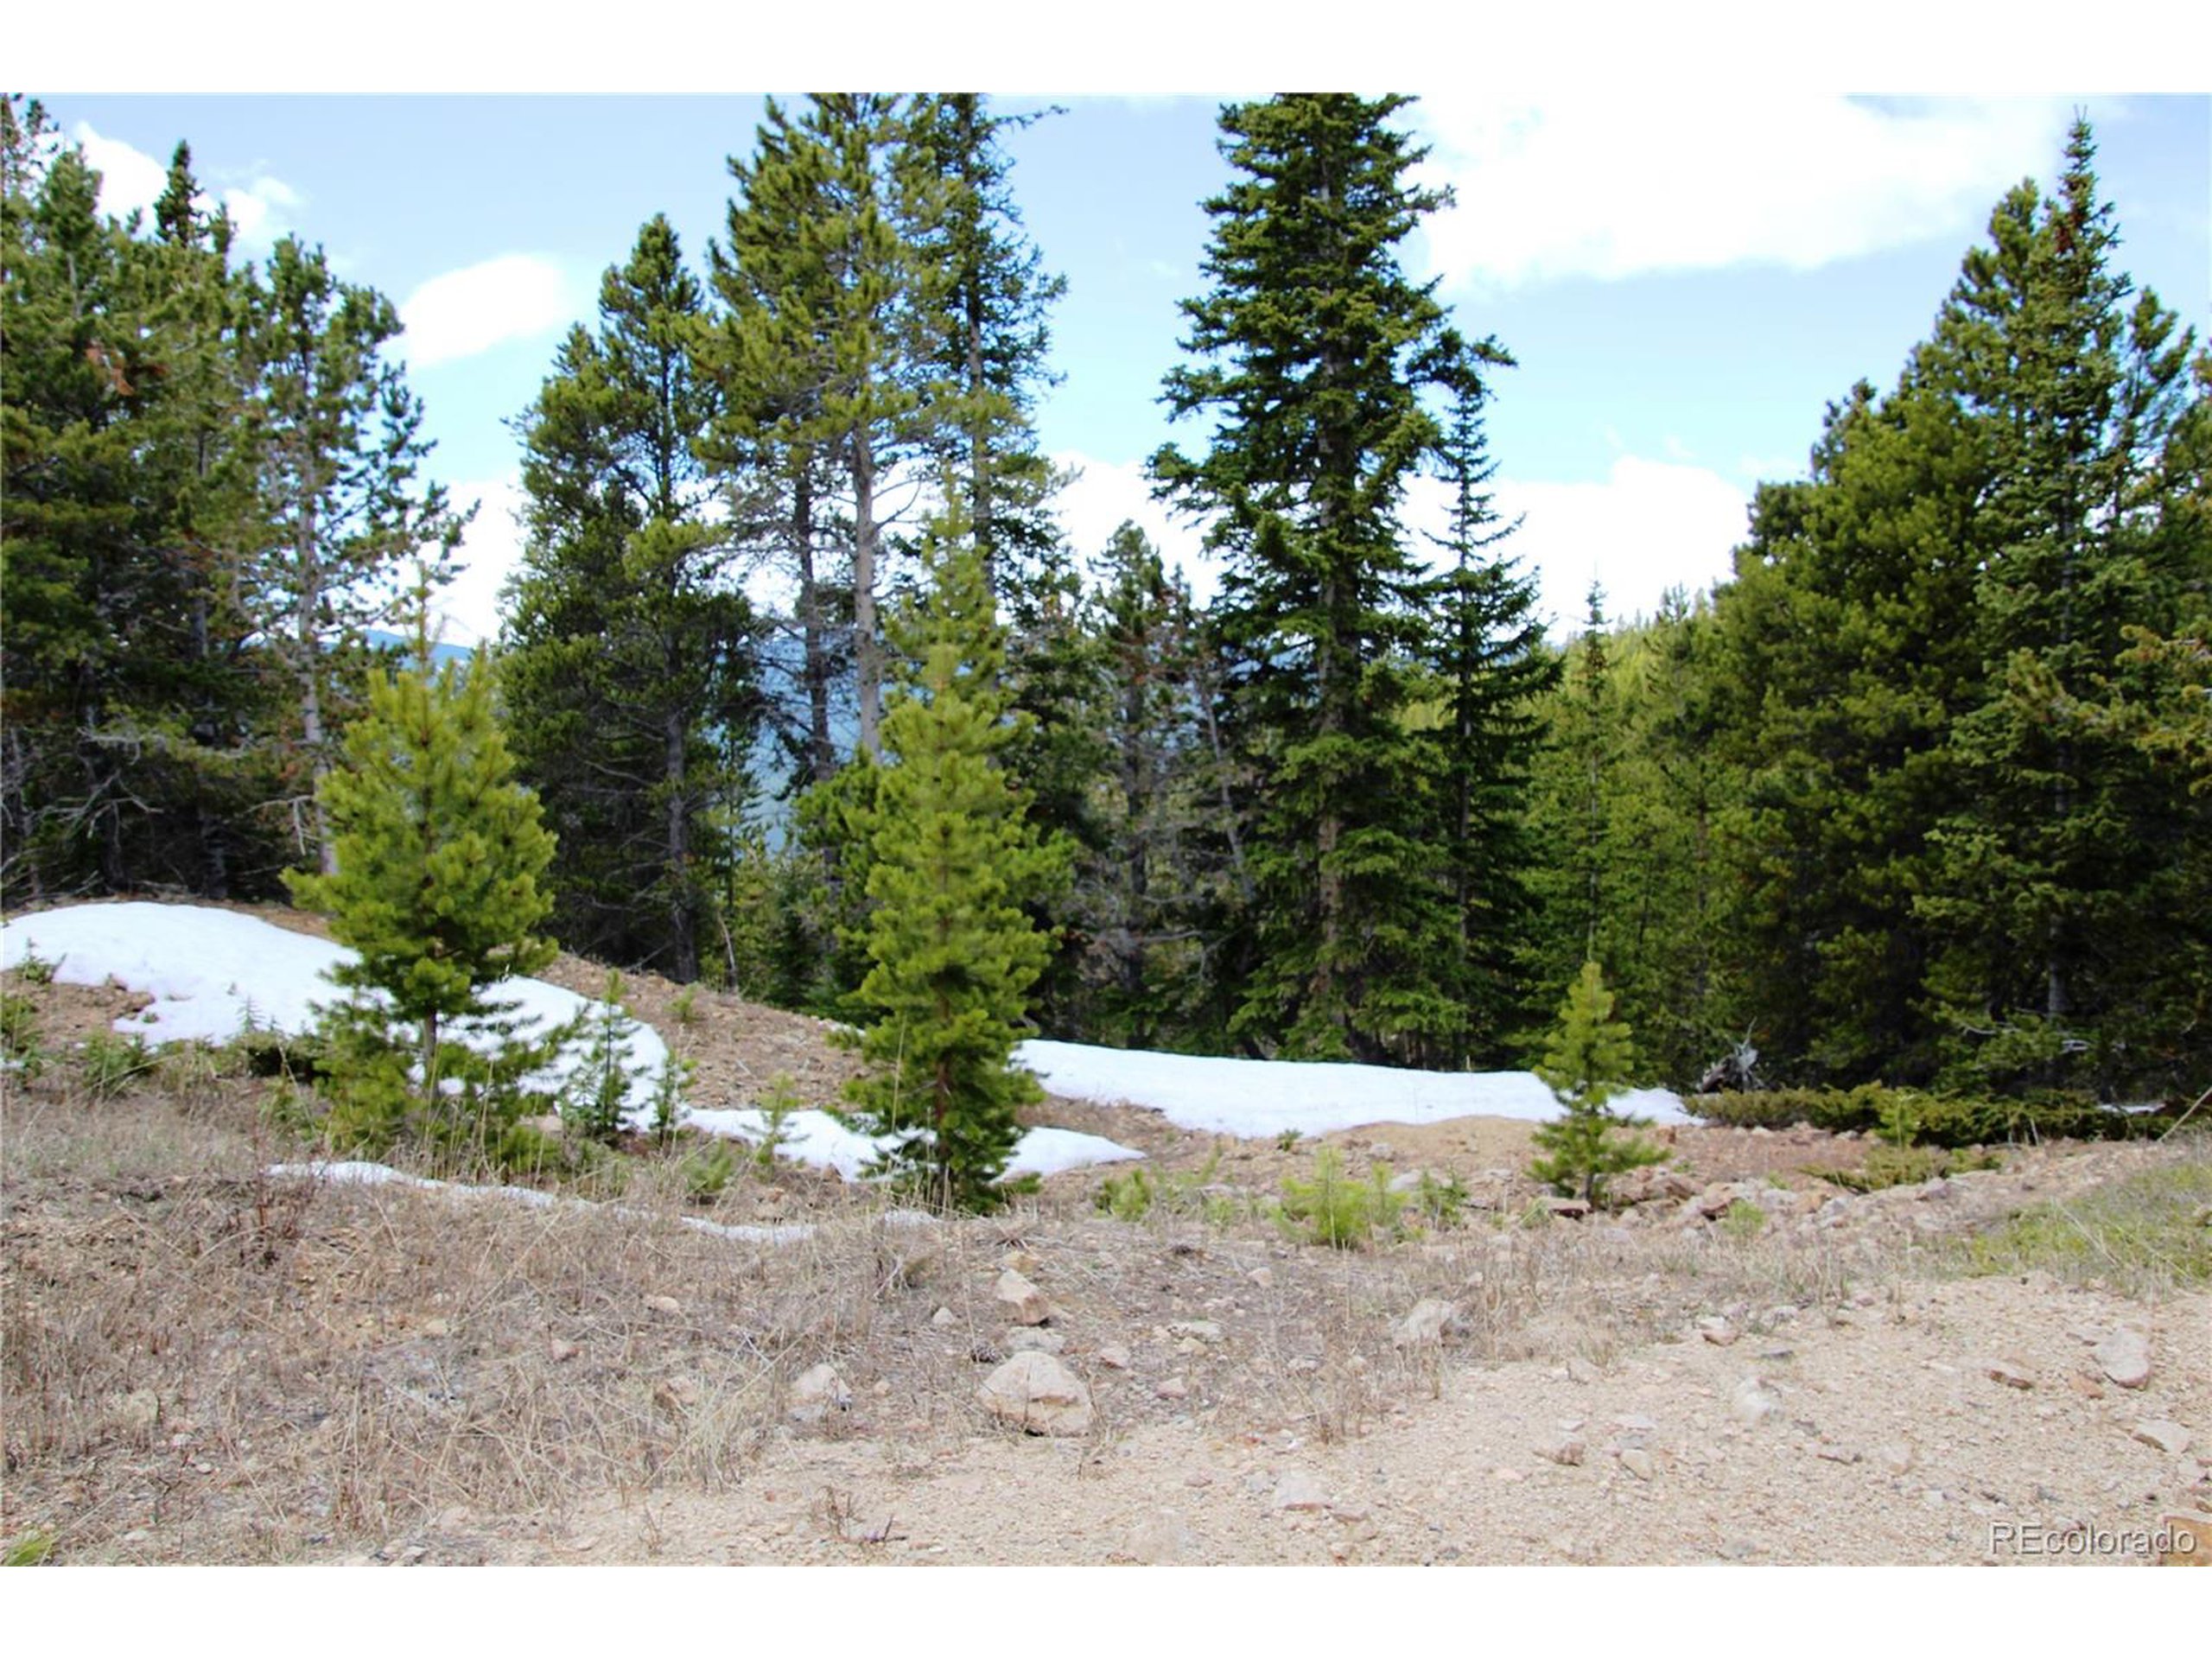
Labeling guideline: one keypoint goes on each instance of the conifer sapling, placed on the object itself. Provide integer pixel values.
(1586, 1065)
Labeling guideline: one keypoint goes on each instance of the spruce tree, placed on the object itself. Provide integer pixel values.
(1586, 1065)
(440, 855)
(629, 673)
(1310, 354)
(1495, 671)
(953, 954)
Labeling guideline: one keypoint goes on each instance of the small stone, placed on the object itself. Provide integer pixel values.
(679, 1392)
(1162, 1540)
(2087, 1387)
(1579, 1370)
(2170, 1438)
(1752, 1404)
(1896, 1457)
(1300, 1491)
(2125, 1357)
(1023, 1339)
(1567, 1450)
(1021, 1302)
(1198, 1331)
(818, 1391)
(560, 1351)
(1833, 1453)
(437, 1327)
(1040, 1393)
(1638, 1462)
(1114, 1356)
(1173, 1388)
(1424, 1326)
(1264, 1276)
(663, 1305)
(1718, 1332)
(944, 1318)
(2010, 1372)
(1569, 1208)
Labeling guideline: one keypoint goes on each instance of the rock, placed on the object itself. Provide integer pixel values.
(1301, 1490)
(1570, 1209)
(1424, 1326)
(1162, 1540)
(1753, 1404)
(1579, 1370)
(818, 1391)
(1896, 1457)
(1114, 1356)
(664, 1304)
(1018, 1262)
(1569, 1450)
(1264, 1276)
(2168, 1437)
(1718, 1332)
(679, 1394)
(2125, 1357)
(1173, 1388)
(2010, 1372)
(560, 1350)
(1834, 1453)
(1713, 1202)
(2185, 1539)
(2087, 1387)
(1200, 1331)
(944, 1319)
(1024, 1339)
(1037, 1392)
(437, 1327)
(1638, 1462)
(1021, 1302)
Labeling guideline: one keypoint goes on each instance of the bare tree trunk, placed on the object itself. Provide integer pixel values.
(682, 936)
(309, 651)
(868, 649)
(822, 760)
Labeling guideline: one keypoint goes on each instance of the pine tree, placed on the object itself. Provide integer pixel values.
(339, 440)
(1495, 671)
(1587, 1064)
(2060, 832)
(954, 955)
(440, 854)
(629, 673)
(1311, 352)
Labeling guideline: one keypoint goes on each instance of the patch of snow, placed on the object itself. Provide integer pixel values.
(818, 1140)
(1258, 1099)
(1049, 1152)
(211, 972)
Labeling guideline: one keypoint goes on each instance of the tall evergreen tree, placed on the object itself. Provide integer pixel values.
(628, 678)
(1494, 670)
(1310, 354)
(954, 954)
(339, 444)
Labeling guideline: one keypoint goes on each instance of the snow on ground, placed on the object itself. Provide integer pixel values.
(1257, 1099)
(211, 972)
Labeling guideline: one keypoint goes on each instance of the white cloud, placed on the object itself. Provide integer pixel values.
(130, 179)
(1105, 493)
(468, 607)
(463, 313)
(1633, 184)
(1646, 526)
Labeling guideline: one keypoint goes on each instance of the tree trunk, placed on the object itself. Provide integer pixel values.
(683, 937)
(866, 649)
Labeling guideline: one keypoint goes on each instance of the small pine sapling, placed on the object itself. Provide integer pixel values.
(1587, 1064)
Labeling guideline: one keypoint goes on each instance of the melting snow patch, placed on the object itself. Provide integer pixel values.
(1255, 1099)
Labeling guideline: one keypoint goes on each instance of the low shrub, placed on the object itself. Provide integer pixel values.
(1334, 1209)
(1929, 1119)
(111, 1063)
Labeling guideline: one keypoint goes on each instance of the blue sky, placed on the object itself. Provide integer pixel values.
(1686, 280)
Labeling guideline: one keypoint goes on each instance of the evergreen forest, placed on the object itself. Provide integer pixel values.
(818, 703)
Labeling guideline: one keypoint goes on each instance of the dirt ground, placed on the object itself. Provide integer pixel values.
(207, 1363)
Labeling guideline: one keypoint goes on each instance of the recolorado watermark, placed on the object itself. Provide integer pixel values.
(2036, 1538)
